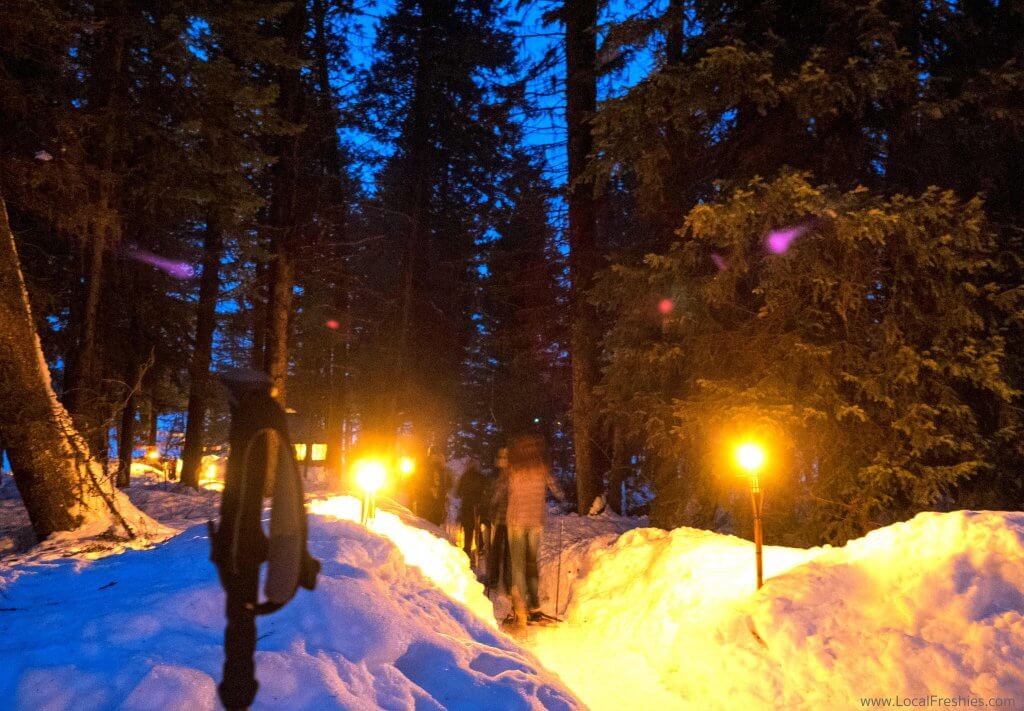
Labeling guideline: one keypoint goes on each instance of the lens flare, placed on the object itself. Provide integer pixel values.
(174, 267)
(779, 241)
(665, 306)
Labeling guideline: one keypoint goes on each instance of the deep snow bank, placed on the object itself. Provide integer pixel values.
(930, 606)
(143, 630)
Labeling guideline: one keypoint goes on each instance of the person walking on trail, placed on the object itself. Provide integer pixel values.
(433, 489)
(529, 478)
(472, 485)
(499, 565)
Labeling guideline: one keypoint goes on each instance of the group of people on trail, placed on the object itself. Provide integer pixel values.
(501, 516)
(507, 519)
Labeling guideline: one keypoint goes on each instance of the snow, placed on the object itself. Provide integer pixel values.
(653, 619)
(930, 606)
(397, 621)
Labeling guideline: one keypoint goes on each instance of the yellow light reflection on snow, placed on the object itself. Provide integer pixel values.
(443, 564)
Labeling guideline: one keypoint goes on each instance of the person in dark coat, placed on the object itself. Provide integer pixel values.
(470, 491)
(433, 489)
(498, 560)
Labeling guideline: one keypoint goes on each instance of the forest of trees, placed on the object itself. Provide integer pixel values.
(798, 219)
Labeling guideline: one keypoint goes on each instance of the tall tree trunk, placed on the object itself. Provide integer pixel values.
(61, 485)
(404, 380)
(675, 32)
(581, 101)
(619, 470)
(258, 314)
(282, 283)
(126, 441)
(199, 367)
(82, 395)
(337, 201)
(283, 210)
(105, 99)
(154, 416)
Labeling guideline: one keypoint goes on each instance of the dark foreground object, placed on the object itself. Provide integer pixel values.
(260, 462)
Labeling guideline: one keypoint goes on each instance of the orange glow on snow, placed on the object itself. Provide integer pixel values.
(444, 565)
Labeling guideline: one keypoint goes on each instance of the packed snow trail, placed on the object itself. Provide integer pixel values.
(143, 630)
(671, 620)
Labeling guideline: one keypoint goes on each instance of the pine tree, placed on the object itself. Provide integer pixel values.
(61, 484)
(855, 352)
(439, 92)
(225, 158)
(515, 371)
(581, 102)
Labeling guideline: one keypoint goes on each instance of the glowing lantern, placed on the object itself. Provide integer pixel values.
(750, 458)
(406, 466)
(370, 475)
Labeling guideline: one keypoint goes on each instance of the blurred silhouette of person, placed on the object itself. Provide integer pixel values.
(471, 490)
(498, 560)
(433, 489)
(528, 481)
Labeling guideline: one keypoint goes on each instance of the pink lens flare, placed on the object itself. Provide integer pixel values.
(718, 260)
(332, 324)
(174, 267)
(778, 241)
(665, 306)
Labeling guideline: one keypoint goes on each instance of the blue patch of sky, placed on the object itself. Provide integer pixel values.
(197, 38)
(724, 124)
(543, 124)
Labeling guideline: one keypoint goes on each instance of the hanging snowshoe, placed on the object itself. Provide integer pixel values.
(261, 463)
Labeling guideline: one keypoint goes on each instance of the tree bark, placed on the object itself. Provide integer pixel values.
(154, 416)
(619, 470)
(126, 441)
(199, 367)
(59, 481)
(580, 18)
(282, 282)
(106, 94)
(282, 210)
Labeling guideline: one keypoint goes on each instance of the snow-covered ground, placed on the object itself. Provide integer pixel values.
(398, 621)
(655, 619)
(671, 620)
